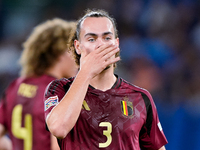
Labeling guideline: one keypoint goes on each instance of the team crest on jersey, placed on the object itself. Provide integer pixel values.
(51, 101)
(126, 107)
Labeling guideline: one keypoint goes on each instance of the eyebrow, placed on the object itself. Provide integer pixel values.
(95, 35)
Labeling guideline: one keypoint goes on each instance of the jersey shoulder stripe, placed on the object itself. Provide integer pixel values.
(146, 96)
(58, 83)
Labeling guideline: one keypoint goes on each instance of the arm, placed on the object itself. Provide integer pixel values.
(54, 143)
(162, 148)
(63, 117)
(5, 143)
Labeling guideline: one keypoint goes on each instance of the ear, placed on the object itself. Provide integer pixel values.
(77, 46)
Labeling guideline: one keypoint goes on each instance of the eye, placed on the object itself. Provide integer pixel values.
(91, 39)
(107, 38)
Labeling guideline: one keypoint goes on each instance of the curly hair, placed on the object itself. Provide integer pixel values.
(44, 46)
(90, 13)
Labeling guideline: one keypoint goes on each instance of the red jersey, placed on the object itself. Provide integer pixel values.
(121, 118)
(22, 113)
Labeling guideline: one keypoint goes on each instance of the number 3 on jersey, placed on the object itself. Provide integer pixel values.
(20, 132)
(107, 133)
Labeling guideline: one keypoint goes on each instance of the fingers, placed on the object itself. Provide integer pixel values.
(104, 49)
(97, 60)
(104, 55)
(107, 55)
(110, 53)
(111, 61)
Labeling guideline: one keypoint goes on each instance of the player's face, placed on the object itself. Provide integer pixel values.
(96, 32)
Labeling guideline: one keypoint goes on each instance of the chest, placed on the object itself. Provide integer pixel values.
(123, 111)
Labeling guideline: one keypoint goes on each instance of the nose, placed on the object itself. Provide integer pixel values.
(99, 42)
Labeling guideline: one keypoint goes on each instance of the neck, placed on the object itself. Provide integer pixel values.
(104, 81)
(55, 72)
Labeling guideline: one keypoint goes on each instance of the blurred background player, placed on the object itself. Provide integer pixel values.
(45, 57)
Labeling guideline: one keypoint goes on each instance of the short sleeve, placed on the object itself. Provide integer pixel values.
(54, 93)
(151, 135)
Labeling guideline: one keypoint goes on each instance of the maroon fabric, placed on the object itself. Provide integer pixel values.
(130, 131)
(32, 104)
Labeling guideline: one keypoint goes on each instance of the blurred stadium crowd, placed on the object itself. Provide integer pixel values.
(160, 51)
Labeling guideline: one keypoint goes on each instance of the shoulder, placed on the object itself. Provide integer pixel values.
(128, 85)
(13, 84)
(60, 82)
(145, 94)
(44, 79)
(58, 85)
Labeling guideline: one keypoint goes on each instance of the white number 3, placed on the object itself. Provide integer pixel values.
(107, 133)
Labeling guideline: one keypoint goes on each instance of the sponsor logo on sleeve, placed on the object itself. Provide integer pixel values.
(51, 101)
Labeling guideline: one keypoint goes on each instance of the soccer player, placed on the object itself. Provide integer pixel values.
(45, 57)
(98, 109)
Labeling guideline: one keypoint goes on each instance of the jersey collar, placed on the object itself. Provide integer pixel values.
(115, 86)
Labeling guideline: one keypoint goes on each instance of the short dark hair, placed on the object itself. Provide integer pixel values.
(90, 13)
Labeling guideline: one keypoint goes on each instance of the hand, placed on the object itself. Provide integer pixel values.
(97, 60)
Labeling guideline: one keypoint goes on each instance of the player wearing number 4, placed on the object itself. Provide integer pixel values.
(45, 57)
(97, 109)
